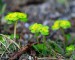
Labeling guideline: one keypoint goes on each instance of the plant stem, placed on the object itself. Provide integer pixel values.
(36, 37)
(65, 39)
(44, 39)
(15, 30)
(44, 42)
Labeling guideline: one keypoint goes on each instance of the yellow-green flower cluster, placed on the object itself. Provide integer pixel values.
(39, 28)
(14, 16)
(61, 24)
(35, 28)
(70, 48)
(44, 30)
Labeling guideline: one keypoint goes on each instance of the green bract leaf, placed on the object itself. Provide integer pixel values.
(10, 22)
(56, 25)
(65, 24)
(44, 30)
(40, 47)
(70, 48)
(12, 36)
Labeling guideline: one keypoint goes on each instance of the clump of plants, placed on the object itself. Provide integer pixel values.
(13, 17)
(68, 42)
(39, 29)
(44, 47)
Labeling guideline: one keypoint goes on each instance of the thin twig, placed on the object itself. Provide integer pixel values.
(47, 58)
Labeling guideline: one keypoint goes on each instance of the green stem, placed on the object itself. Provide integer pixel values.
(65, 39)
(44, 39)
(36, 37)
(15, 30)
(44, 42)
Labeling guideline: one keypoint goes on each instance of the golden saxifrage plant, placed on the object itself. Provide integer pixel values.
(39, 29)
(5, 40)
(68, 42)
(14, 17)
(47, 47)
